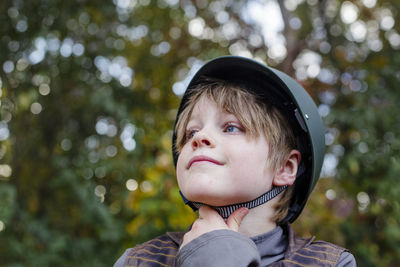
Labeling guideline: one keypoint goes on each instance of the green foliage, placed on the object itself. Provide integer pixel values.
(87, 109)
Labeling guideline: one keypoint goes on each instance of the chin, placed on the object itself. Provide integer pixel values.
(212, 198)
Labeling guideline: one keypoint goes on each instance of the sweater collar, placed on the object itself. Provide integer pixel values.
(177, 237)
(295, 242)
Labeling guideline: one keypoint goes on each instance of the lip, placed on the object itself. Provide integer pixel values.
(202, 158)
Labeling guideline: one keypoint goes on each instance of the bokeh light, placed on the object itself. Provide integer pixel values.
(369, 3)
(100, 191)
(4, 131)
(114, 68)
(196, 27)
(127, 135)
(5, 170)
(131, 184)
(36, 108)
(329, 165)
(146, 186)
(330, 194)
(8, 66)
(363, 201)
(348, 12)
(179, 87)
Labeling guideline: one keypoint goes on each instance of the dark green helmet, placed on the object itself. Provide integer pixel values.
(293, 102)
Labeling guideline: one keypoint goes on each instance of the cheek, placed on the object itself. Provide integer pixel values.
(179, 170)
(252, 166)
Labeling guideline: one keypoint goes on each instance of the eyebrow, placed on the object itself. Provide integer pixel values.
(224, 114)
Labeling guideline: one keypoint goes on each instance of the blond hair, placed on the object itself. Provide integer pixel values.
(256, 116)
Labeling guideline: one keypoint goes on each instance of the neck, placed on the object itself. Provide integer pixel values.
(258, 220)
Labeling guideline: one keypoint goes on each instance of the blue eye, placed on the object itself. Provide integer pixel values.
(190, 134)
(232, 128)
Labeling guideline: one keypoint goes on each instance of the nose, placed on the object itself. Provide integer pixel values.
(202, 139)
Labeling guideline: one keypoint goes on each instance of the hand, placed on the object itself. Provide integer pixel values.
(209, 220)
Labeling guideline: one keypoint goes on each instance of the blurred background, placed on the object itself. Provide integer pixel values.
(89, 93)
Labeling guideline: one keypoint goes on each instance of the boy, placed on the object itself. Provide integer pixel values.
(248, 147)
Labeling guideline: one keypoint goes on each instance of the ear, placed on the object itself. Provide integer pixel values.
(286, 174)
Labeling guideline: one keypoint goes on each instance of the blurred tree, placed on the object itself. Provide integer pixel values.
(86, 117)
(89, 94)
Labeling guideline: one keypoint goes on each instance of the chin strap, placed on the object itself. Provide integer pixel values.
(225, 211)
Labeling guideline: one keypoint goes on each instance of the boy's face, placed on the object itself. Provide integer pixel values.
(219, 164)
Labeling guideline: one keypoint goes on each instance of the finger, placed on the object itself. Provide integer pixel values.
(235, 219)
